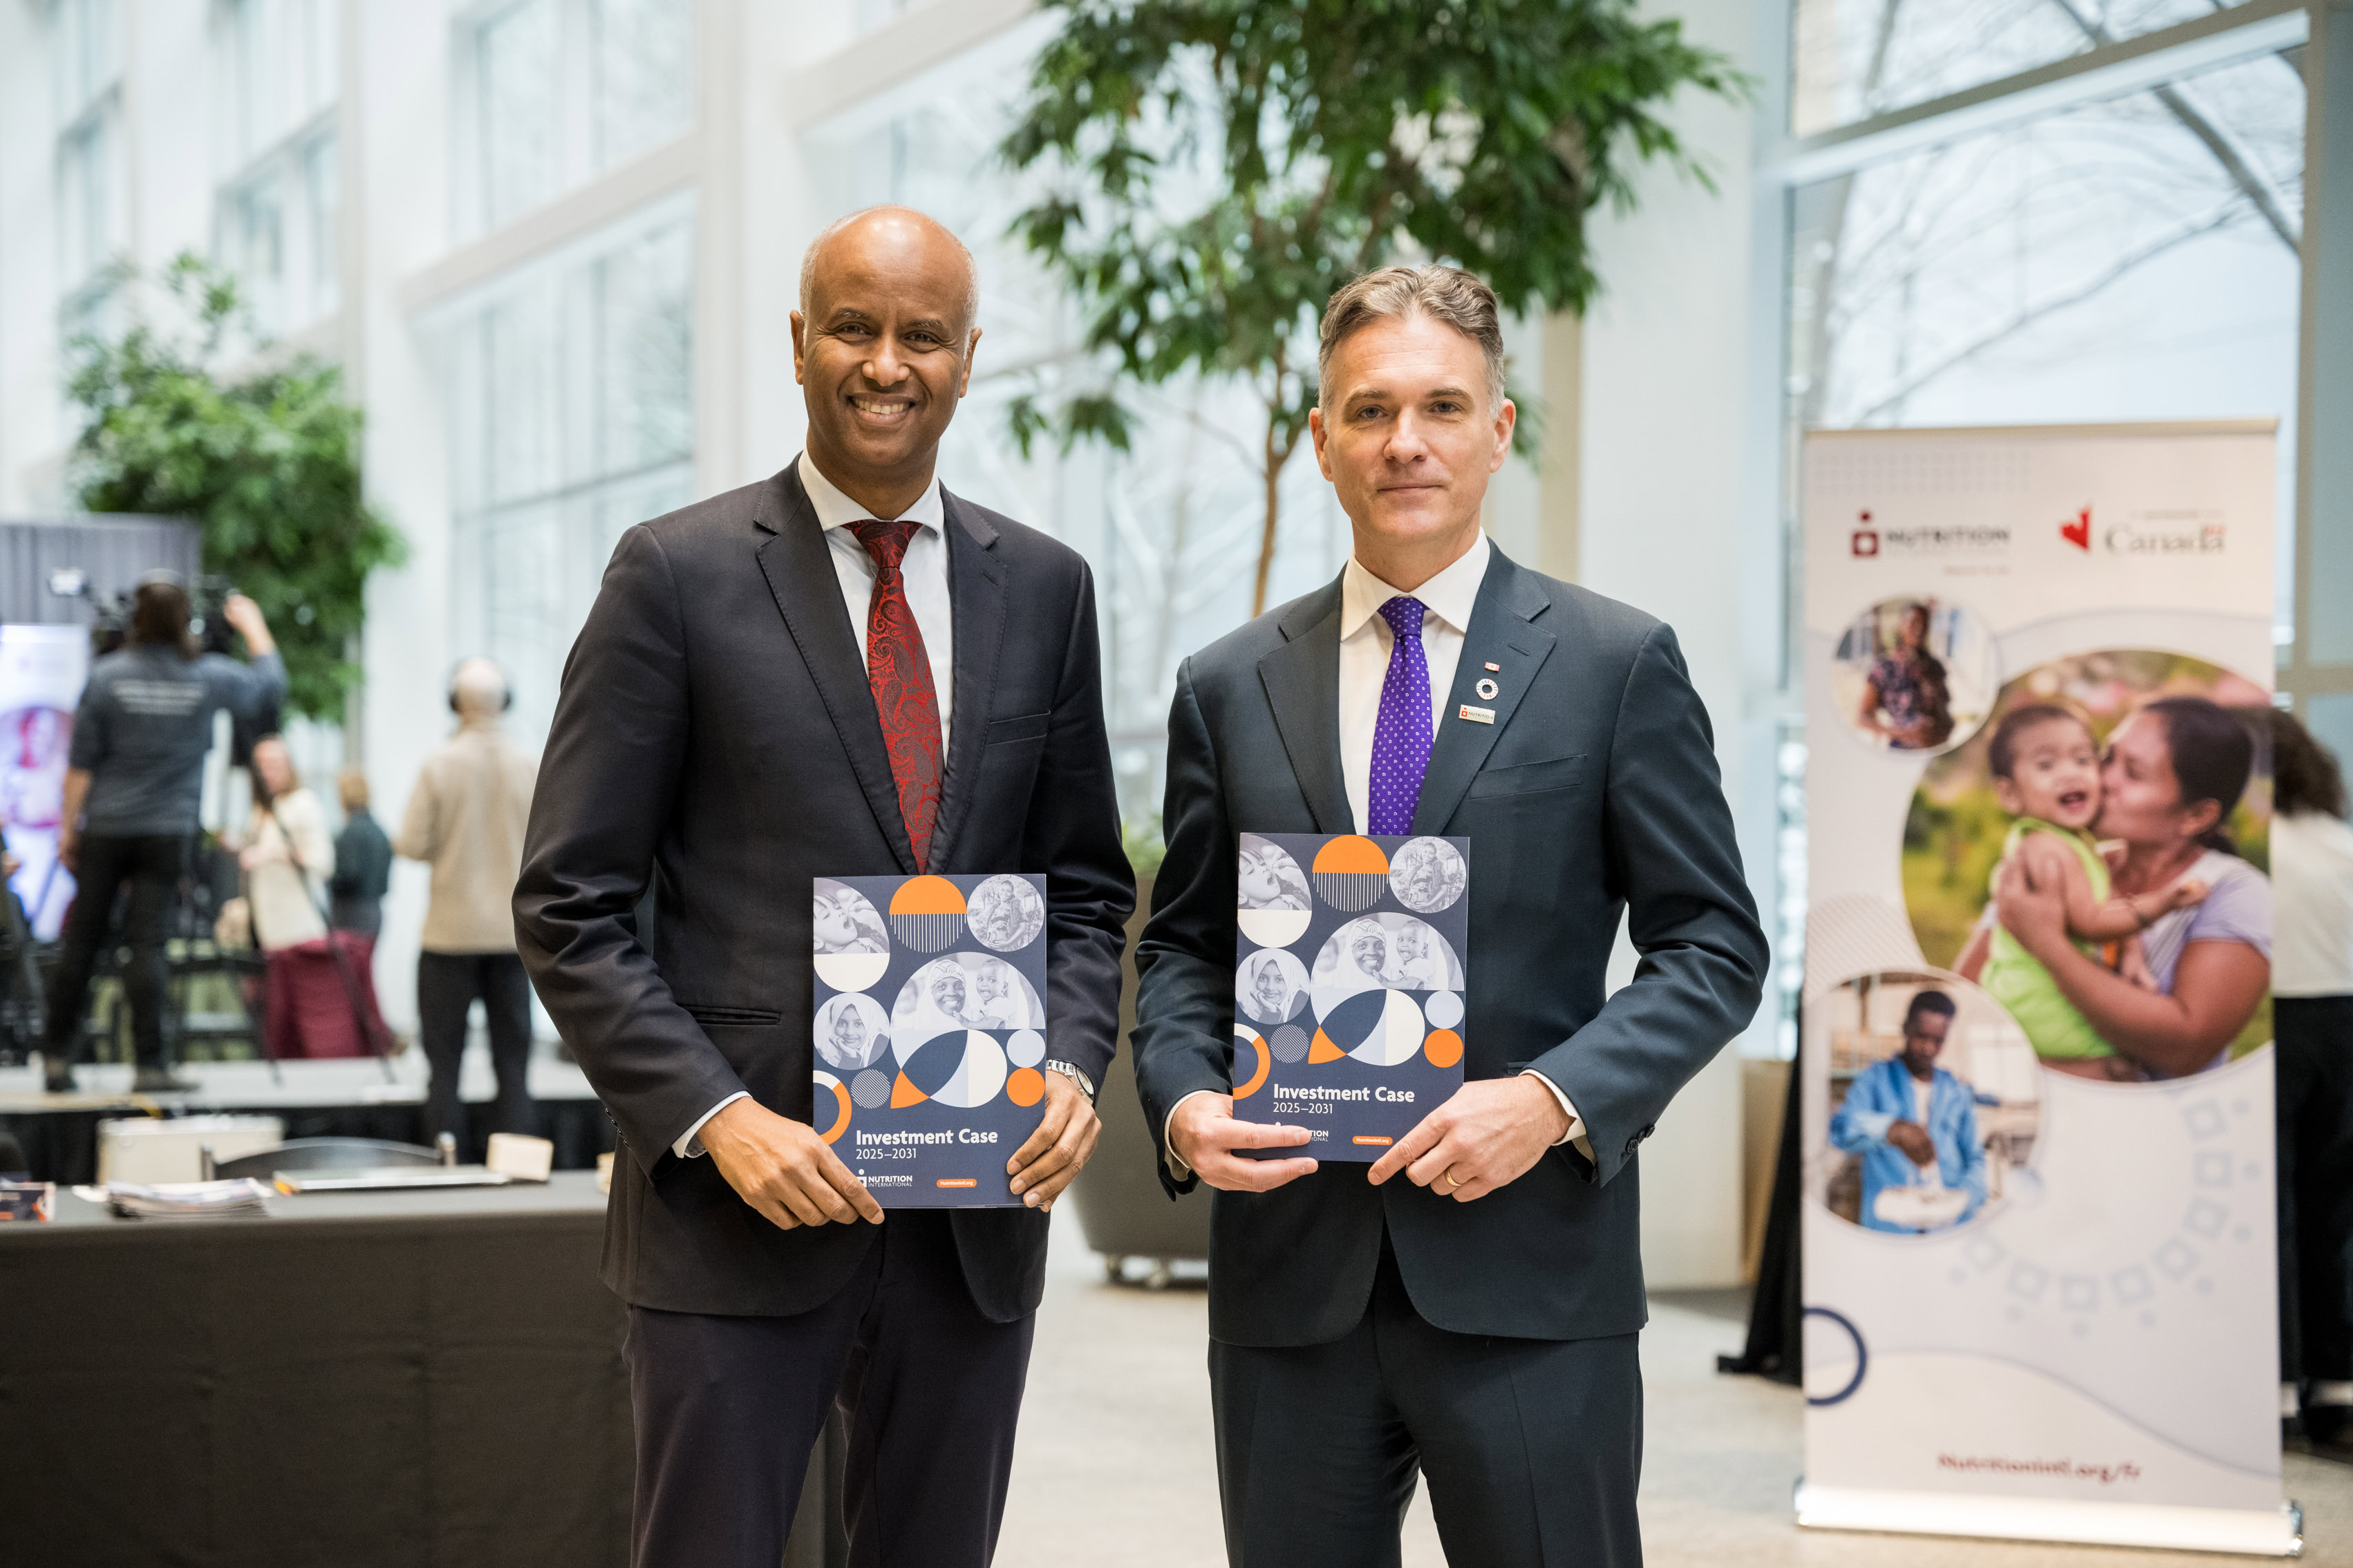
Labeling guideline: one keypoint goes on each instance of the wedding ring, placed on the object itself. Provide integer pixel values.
(1450, 1181)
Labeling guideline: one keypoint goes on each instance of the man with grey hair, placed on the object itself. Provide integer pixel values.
(1473, 1322)
(843, 671)
(465, 818)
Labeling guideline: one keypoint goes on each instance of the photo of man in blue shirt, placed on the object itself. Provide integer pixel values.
(1916, 1127)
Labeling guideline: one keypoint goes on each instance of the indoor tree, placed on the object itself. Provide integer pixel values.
(266, 460)
(1222, 166)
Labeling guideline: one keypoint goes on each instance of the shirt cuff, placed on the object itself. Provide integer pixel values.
(1177, 1167)
(1576, 1133)
(690, 1143)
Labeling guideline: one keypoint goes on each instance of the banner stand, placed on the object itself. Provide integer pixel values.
(2035, 1078)
(2250, 1531)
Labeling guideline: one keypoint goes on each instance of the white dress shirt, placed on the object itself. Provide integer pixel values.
(1366, 645)
(924, 571)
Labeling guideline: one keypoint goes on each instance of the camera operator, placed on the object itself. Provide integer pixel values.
(131, 795)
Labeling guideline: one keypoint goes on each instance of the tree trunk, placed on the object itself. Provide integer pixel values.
(1272, 470)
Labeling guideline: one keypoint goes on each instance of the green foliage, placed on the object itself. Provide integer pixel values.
(267, 464)
(1236, 161)
(1141, 838)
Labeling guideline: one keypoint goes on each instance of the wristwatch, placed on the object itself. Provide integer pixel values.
(1086, 1085)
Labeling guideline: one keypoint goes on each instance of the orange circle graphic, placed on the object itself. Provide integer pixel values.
(1025, 1086)
(841, 1121)
(1265, 1065)
(1444, 1048)
(1353, 854)
(927, 896)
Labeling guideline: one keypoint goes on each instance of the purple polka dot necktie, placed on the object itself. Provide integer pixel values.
(1402, 734)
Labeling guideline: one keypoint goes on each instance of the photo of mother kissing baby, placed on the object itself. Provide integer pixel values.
(2126, 932)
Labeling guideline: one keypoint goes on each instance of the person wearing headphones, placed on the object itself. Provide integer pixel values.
(466, 819)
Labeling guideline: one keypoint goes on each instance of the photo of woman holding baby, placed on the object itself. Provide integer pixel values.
(2127, 929)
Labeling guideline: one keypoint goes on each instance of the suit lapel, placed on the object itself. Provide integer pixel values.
(1302, 680)
(976, 592)
(1502, 633)
(799, 565)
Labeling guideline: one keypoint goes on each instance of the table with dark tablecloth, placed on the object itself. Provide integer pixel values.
(371, 1378)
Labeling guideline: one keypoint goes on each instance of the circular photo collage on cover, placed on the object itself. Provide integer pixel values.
(1384, 987)
(940, 1041)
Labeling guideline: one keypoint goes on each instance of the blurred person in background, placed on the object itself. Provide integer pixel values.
(132, 793)
(322, 1000)
(2312, 990)
(362, 862)
(465, 818)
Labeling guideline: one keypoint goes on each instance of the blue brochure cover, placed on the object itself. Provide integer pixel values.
(930, 1025)
(1348, 1015)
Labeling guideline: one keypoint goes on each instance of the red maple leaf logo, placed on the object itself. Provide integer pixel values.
(2079, 533)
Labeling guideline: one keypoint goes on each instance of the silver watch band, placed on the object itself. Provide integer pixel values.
(1070, 1071)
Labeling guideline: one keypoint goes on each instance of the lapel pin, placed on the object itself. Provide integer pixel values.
(1495, 668)
(1487, 690)
(1476, 715)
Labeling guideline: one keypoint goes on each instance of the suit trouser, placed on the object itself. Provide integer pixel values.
(727, 1409)
(1532, 1447)
(2314, 1063)
(152, 865)
(446, 986)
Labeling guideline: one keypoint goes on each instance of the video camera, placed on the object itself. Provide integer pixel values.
(110, 616)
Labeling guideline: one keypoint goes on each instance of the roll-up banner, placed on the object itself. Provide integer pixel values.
(2039, 1275)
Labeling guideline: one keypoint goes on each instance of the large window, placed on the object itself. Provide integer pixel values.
(91, 190)
(1855, 58)
(570, 392)
(278, 200)
(556, 91)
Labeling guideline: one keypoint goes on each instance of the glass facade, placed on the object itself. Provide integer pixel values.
(274, 223)
(564, 90)
(1857, 59)
(570, 397)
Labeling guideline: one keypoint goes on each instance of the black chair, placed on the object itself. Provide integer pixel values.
(326, 1155)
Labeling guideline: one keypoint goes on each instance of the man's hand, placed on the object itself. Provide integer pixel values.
(1205, 1136)
(1488, 1134)
(70, 848)
(1060, 1147)
(782, 1168)
(1912, 1140)
(244, 616)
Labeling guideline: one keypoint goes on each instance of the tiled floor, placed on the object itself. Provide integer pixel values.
(1116, 1464)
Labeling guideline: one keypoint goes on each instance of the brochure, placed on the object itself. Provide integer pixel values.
(1348, 997)
(930, 1030)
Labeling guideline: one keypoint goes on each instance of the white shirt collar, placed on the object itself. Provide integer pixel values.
(835, 509)
(1450, 595)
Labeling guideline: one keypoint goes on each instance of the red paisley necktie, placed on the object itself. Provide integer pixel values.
(899, 671)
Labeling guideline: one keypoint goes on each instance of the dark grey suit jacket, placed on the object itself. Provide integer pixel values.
(1595, 792)
(716, 739)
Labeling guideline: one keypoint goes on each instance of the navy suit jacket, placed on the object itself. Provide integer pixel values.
(716, 741)
(1594, 794)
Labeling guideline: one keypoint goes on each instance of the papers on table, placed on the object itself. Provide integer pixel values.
(185, 1200)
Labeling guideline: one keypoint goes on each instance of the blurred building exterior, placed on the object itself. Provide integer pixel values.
(554, 244)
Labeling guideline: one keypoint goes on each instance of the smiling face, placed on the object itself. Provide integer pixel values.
(948, 994)
(1406, 436)
(1270, 988)
(1369, 952)
(883, 348)
(850, 1031)
(2054, 774)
